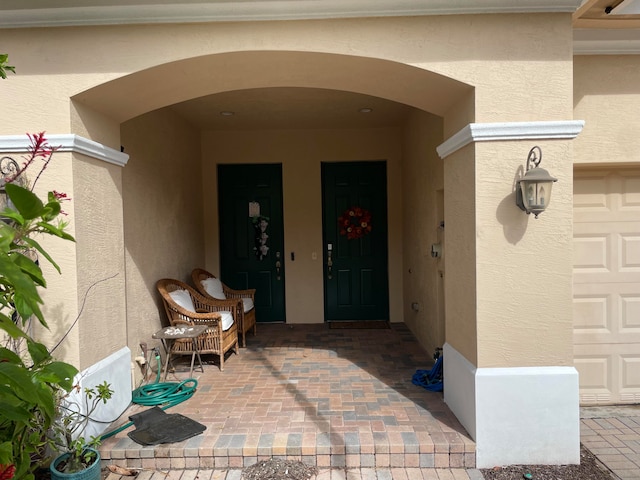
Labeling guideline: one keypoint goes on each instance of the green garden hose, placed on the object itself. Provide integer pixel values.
(167, 394)
(163, 394)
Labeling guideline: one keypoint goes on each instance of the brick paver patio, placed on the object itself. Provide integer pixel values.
(328, 397)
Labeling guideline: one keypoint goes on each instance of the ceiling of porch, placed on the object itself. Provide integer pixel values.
(285, 108)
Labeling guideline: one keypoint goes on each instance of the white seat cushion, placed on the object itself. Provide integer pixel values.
(247, 304)
(227, 320)
(183, 298)
(213, 287)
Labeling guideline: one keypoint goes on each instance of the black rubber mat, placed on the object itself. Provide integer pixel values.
(154, 426)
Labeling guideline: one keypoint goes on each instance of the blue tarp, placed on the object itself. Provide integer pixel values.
(430, 379)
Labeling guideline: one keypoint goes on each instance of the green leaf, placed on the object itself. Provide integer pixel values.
(32, 243)
(10, 328)
(13, 413)
(45, 399)
(27, 307)
(26, 202)
(7, 234)
(39, 353)
(7, 355)
(51, 210)
(58, 232)
(18, 378)
(63, 372)
(6, 453)
(13, 215)
(29, 267)
(26, 297)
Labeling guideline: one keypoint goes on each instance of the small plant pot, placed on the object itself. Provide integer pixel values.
(92, 472)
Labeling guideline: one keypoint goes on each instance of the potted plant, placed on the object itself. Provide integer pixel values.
(31, 380)
(79, 458)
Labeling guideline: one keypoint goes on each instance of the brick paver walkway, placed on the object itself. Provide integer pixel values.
(613, 435)
(331, 398)
(341, 400)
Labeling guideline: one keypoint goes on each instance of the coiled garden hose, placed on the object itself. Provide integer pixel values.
(166, 393)
(163, 394)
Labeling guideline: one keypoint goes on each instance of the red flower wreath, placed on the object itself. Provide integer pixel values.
(355, 222)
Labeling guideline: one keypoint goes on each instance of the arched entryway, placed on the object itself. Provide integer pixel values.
(297, 109)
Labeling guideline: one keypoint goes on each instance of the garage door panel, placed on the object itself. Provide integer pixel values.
(608, 373)
(592, 317)
(630, 313)
(630, 199)
(629, 245)
(612, 256)
(606, 285)
(630, 373)
(606, 313)
(591, 192)
(595, 373)
(597, 194)
(591, 253)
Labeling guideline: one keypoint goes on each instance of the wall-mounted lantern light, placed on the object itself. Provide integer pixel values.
(533, 191)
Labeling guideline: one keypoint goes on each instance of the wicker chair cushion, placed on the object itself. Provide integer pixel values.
(247, 304)
(183, 298)
(213, 286)
(227, 320)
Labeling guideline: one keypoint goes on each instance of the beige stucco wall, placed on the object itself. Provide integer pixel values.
(460, 252)
(470, 48)
(99, 258)
(607, 97)
(301, 152)
(422, 184)
(524, 265)
(61, 305)
(163, 215)
(500, 68)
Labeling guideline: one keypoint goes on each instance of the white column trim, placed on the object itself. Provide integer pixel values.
(66, 143)
(488, 132)
(516, 415)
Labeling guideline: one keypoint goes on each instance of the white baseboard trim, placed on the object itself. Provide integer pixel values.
(519, 415)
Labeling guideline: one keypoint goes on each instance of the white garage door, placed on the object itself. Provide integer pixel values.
(606, 285)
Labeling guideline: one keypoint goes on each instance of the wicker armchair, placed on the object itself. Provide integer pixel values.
(246, 311)
(216, 340)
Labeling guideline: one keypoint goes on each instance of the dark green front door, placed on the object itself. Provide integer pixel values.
(356, 284)
(252, 234)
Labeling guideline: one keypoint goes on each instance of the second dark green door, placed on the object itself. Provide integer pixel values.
(355, 241)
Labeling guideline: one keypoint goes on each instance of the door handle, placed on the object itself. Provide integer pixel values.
(329, 261)
(278, 265)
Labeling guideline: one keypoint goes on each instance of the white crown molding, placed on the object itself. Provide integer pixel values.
(98, 12)
(66, 143)
(590, 41)
(488, 132)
